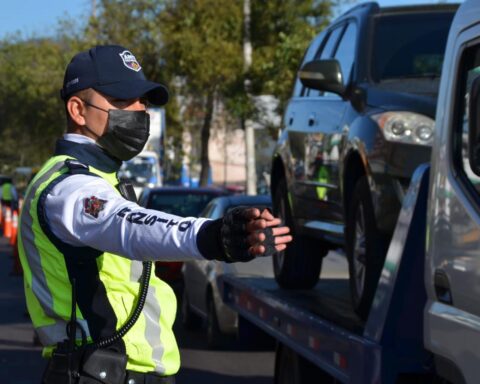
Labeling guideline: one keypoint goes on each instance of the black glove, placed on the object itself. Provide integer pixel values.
(226, 239)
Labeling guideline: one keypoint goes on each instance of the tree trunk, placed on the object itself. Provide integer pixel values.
(207, 121)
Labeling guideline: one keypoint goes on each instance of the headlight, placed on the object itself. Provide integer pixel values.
(406, 127)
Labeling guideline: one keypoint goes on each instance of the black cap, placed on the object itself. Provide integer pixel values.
(112, 70)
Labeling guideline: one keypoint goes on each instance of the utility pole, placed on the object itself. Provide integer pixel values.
(94, 9)
(249, 131)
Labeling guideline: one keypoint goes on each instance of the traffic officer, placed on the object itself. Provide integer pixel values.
(85, 244)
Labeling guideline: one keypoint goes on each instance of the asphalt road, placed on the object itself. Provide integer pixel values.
(21, 362)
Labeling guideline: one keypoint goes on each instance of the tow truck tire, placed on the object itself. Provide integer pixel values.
(299, 266)
(190, 320)
(366, 248)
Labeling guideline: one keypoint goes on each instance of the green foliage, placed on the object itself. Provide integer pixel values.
(31, 73)
(281, 31)
(201, 42)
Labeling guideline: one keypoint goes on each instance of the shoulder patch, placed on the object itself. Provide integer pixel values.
(93, 206)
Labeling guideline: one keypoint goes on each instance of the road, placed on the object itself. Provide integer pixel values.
(21, 362)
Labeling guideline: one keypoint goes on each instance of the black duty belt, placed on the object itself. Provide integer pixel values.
(147, 378)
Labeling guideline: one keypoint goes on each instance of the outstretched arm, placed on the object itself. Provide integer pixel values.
(243, 234)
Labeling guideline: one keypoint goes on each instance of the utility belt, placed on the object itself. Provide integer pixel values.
(98, 366)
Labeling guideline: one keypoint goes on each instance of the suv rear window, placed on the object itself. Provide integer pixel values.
(409, 45)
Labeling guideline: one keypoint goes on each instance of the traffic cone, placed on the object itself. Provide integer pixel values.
(13, 236)
(7, 226)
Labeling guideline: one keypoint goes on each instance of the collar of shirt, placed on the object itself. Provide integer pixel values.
(76, 138)
(86, 151)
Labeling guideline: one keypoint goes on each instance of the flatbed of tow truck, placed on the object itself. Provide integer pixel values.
(320, 325)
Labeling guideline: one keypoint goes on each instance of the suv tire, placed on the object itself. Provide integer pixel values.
(299, 266)
(365, 248)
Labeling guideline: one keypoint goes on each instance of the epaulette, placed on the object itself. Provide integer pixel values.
(76, 167)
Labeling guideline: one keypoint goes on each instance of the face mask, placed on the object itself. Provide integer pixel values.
(127, 132)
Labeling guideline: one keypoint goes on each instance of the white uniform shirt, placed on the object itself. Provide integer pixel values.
(85, 210)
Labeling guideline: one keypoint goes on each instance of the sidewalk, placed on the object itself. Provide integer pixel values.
(20, 360)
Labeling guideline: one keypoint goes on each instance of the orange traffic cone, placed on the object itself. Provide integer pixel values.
(7, 226)
(13, 236)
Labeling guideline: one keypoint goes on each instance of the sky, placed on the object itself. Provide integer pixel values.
(39, 17)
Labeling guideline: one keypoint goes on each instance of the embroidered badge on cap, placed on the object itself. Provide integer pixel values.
(130, 61)
(93, 206)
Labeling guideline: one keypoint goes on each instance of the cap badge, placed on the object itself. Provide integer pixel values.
(130, 61)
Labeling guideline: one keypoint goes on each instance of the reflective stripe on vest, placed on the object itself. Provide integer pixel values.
(150, 344)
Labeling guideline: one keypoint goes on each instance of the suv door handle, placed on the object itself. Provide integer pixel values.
(442, 287)
(311, 120)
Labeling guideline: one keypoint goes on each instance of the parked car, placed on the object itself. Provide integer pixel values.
(178, 201)
(201, 301)
(360, 120)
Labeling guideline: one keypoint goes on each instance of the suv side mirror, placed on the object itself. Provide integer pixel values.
(324, 75)
(474, 126)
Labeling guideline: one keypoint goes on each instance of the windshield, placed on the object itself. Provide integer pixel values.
(409, 45)
(139, 171)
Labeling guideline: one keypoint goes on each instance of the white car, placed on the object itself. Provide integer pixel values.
(201, 301)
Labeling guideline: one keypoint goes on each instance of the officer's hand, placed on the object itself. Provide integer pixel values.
(265, 237)
(250, 232)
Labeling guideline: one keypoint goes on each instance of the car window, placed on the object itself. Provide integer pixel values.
(470, 71)
(181, 204)
(207, 212)
(345, 53)
(325, 52)
(409, 45)
(329, 47)
(309, 54)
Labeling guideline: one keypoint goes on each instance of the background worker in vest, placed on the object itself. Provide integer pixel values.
(8, 195)
(84, 238)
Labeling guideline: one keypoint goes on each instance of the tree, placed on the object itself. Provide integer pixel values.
(31, 75)
(202, 47)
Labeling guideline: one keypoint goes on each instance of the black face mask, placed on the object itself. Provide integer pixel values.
(127, 132)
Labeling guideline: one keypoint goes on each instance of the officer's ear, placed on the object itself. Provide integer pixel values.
(76, 110)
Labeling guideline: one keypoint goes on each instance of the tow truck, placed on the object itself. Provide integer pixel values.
(424, 323)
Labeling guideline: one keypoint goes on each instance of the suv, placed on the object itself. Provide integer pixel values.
(359, 122)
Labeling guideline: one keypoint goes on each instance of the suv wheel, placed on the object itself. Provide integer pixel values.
(299, 266)
(366, 249)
